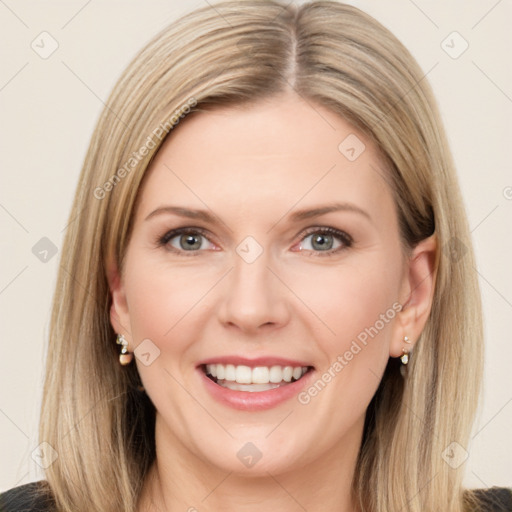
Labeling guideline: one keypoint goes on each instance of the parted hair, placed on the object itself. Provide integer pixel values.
(237, 53)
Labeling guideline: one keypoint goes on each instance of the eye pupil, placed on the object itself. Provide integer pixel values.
(322, 241)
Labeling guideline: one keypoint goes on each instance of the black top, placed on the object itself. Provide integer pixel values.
(28, 498)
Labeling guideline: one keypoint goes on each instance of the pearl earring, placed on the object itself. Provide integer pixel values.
(125, 357)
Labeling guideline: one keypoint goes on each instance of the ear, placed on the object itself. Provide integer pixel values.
(119, 314)
(417, 292)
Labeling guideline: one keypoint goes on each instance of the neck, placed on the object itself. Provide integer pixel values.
(179, 480)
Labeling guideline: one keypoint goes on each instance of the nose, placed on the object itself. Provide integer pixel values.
(253, 297)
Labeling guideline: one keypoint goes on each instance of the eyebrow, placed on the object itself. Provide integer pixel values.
(298, 215)
(323, 210)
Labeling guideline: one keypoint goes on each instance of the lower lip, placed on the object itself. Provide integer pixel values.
(257, 400)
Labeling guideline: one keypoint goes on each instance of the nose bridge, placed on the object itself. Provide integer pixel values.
(251, 278)
(254, 297)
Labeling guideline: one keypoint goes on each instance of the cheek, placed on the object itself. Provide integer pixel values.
(358, 306)
(160, 299)
(351, 299)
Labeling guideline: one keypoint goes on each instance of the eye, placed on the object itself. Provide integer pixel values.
(185, 240)
(193, 240)
(327, 240)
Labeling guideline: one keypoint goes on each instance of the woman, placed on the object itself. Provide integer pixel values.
(261, 302)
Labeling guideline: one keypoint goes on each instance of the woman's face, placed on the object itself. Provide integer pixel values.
(265, 248)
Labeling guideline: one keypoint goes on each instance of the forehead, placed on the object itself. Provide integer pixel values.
(284, 149)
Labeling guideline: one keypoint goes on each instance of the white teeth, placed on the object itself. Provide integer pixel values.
(287, 373)
(259, 375)
(297, 373)
(243, 374)
(276, 374)
(230, 372)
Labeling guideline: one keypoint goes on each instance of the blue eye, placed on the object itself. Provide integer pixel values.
(185, 239)
(328, 240)
(319, 241)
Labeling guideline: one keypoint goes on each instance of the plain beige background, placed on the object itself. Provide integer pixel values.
(49, 107)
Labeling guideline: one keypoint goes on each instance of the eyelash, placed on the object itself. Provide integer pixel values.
(343, 237)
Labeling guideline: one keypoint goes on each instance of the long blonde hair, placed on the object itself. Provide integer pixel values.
(332, 54)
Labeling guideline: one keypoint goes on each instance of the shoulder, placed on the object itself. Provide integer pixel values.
(494, 499)
(32, 497)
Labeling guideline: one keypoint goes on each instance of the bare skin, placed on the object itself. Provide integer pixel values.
(306, 297)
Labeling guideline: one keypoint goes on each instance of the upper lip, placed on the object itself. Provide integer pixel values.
(258, 361)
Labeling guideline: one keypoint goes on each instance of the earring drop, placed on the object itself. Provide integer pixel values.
(125, 357)
(405, 356)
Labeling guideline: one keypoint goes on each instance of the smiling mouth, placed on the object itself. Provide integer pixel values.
(254, 379)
